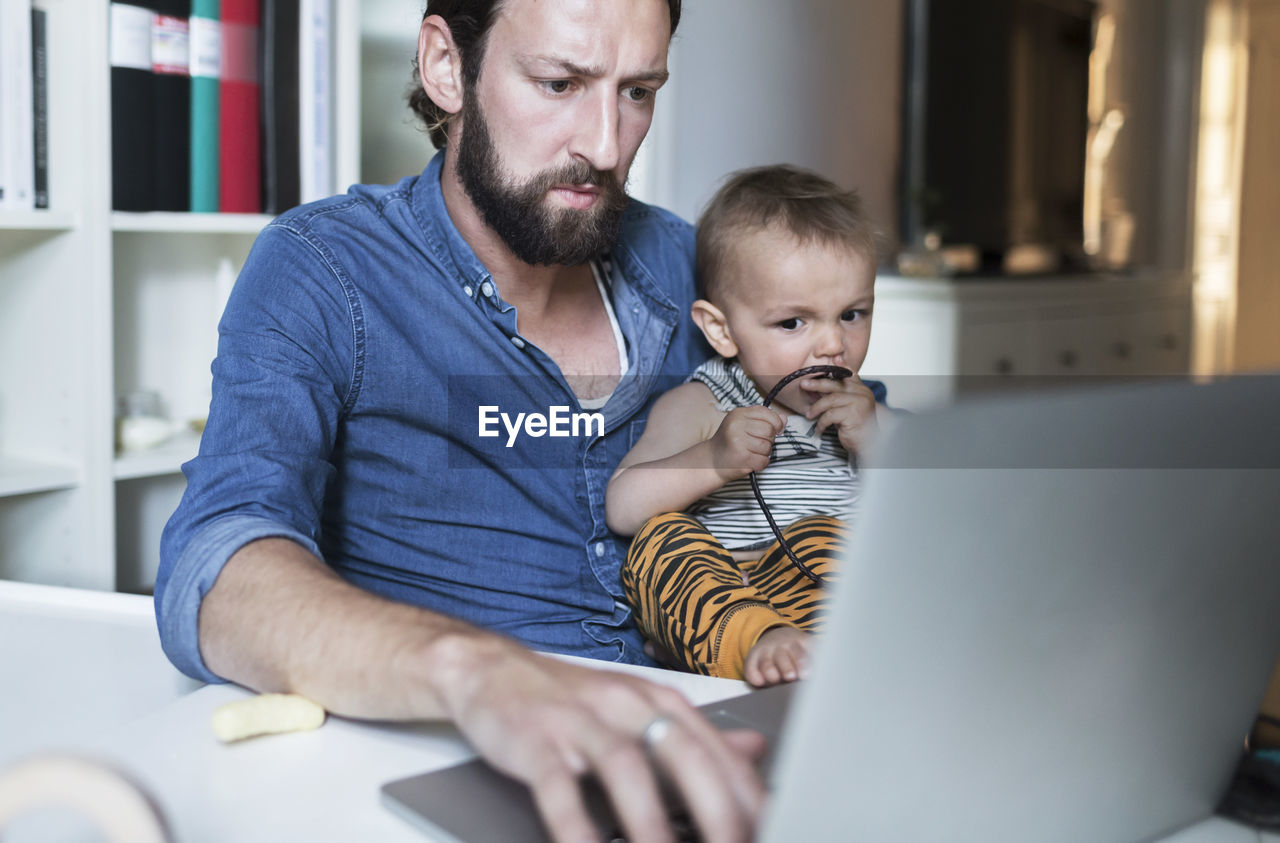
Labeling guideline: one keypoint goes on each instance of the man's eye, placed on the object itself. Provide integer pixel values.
(638, 94)
(789, 324)
(557, 86)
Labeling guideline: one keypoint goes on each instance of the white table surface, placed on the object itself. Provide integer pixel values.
(84, 673)
(74, 663)
(92, 680)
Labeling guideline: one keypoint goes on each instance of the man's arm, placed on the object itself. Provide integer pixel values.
(278, 619)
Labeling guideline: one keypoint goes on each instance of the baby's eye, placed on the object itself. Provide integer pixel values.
(789, 324)
(853, 314)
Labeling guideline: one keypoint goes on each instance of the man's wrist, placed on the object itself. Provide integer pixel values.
(453, 665)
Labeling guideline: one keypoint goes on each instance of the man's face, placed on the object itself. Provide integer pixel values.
(564, 99)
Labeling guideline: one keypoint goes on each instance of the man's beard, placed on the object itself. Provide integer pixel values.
(518, 213)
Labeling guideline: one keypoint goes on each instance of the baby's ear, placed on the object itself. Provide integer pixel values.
(714, 327)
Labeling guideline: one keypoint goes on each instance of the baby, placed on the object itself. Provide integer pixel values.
(786, 271)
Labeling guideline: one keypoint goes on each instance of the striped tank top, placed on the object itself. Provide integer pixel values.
(807, 474)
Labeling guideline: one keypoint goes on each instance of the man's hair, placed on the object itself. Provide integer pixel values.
(469, 21)
(798, 201)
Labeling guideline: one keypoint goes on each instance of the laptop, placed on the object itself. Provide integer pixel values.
(1056, 622)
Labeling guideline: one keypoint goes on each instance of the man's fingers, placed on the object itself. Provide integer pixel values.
(558, 796)
(692, 765)
(734, 753)
(628, 779)
(747, 743)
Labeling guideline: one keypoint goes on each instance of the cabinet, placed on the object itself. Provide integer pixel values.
(936, 340)
(96, 304)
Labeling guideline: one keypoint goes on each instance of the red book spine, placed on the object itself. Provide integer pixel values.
(239, 121)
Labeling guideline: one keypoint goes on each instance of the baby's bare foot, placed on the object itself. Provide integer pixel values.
(780, 655)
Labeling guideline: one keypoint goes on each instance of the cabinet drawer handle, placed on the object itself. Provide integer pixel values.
(1004, 366)
(1122, 350)
(1068, 359)
(1169, 342)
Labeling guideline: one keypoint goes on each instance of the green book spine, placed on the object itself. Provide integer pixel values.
(206, 60)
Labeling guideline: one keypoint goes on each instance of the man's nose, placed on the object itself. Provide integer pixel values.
(596, 138)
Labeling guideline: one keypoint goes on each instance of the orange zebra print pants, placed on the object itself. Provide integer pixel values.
(689, 596)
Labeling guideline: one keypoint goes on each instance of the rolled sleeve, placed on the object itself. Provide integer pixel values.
(195, 572)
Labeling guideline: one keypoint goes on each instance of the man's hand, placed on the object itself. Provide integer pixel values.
(547, 722)
(744, 441)
(849, 406)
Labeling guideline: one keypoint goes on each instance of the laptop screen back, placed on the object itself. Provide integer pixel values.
(1056, 622)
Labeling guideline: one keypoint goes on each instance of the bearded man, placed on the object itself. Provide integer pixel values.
(353, 532)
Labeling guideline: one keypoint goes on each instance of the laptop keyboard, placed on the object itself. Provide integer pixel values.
(682, 828)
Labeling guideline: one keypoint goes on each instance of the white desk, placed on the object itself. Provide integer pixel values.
(92, 679)
(84, 672)
(74, 663)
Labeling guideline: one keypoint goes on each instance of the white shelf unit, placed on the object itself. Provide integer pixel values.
(43, 220)
(161, 222)
(164, 459)
(95, 304)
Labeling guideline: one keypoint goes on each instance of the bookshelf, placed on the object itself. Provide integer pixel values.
(95, 304)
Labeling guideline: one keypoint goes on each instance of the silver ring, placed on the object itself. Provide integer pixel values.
(656, 730)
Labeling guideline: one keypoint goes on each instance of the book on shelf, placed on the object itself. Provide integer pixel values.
(150, 106)
(17, 129)
(315, 94)
(221, 105)
(132, 109)
(239, 118)
(40, 105)
(171, 64)
(206, 70)
(280, 106)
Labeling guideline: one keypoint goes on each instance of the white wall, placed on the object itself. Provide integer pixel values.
(391, 145)
(810, 82)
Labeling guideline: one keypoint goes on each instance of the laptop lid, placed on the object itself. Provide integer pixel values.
(1056, 622)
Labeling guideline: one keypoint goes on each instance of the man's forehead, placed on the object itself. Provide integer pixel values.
(600, 36)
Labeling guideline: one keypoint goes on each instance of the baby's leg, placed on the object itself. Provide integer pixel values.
(818, 541)
(688, 596)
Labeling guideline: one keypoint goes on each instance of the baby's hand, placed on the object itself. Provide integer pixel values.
(849, 406)
(780, 655)
(743, 442)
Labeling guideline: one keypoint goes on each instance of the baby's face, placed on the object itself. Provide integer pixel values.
(790, 305)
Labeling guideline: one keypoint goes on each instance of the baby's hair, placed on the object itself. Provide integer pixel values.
(795, 200)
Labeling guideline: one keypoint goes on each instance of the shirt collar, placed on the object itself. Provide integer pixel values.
(443, 237)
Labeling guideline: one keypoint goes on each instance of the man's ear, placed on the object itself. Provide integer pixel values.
(440, 64)
(714, 327)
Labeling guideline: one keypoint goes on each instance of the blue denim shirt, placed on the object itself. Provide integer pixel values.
(359, 344)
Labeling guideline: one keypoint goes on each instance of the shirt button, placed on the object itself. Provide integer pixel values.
(599, 549)
(487, 289)
(517, 342)
(467, 289)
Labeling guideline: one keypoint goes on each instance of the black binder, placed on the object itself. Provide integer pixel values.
(281, 167)
(132, 109)
(172, 125)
